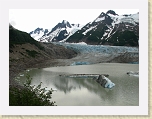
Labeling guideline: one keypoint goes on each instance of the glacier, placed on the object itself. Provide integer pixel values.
(105, 49)
(92, 54)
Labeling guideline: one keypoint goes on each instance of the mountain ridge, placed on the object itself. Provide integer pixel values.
(109, 29)
(59, 33)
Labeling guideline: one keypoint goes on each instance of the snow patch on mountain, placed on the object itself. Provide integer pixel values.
(61, 32)
(135, 17)
(110, 29)
(36, 36)
(38, 33)
(84, 33)
(99, 19)
(132, 18)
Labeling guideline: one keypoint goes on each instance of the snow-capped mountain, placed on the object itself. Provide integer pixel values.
(38, 33)
(110, 29)
(60, 32)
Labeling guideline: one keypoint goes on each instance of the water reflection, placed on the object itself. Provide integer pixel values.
(86, 91)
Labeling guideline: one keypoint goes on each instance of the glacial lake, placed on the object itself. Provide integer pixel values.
(86, 91)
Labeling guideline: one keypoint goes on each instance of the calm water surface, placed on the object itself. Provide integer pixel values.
(86, 91)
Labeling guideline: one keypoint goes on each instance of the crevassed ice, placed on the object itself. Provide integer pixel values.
(83, 48)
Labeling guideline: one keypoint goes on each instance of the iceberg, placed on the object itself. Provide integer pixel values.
(109, 84)
(132, 73)
(105, 82)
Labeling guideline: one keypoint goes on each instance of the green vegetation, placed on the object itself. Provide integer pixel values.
(32, 53)
(30, 95)
(20, 37)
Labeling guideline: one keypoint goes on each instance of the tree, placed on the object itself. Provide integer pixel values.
(30, 95)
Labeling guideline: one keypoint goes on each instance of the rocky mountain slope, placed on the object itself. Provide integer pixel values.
(25, 52)
(109, 29)
(59, 33)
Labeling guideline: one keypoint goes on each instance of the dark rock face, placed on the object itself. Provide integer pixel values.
(111, 12)
(65, 24)
(46, 31)
(101, 81)
(62, 35)
(38, 30)
(105, 82)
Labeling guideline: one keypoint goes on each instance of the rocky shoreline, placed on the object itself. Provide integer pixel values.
(16, 69)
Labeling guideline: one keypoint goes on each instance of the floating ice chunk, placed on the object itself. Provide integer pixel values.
(105, 82)
(109, 84)
(131, 73)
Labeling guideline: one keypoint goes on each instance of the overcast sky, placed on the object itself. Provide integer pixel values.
(29, 19)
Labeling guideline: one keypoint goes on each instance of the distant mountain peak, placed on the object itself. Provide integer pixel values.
(101, 15)
(38, 28)
(111, 12)
(59, 33)
(104, 18)
(38, 33)
(65, 22)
